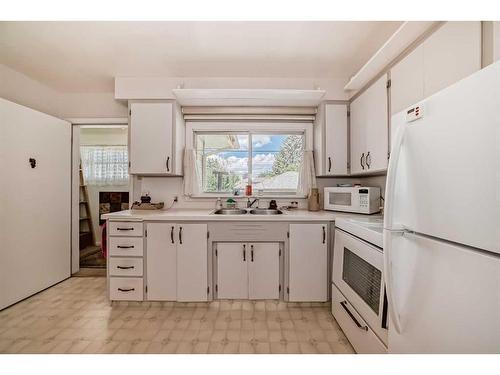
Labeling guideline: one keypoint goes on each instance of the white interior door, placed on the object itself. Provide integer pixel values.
(308, 258)
(446, 297)
(232, 270)
(264, 271)
(35, 203)
(161, 260)
(151, 137)
(192, 266)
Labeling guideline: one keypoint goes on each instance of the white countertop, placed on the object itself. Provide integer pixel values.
(182, 214)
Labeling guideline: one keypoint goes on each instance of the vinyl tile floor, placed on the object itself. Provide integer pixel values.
(76, 317)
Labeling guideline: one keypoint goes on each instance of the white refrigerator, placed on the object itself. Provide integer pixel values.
(442, 221)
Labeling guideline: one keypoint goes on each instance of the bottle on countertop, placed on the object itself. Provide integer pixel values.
(313, 202)
(218, 204)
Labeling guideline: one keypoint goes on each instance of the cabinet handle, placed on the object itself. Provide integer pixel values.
(329, 164)
(126, 290)
(368, 157)
(125, 247)
(251, 253)
(168, 163)
(180, 235)
(125, 268)
(344, 305)
(361, 160)
(324, 235)
(124, 228)
(172, 235)
(244, 253)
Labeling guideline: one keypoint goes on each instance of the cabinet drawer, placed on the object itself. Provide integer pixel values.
(126, 289)
(125, 228)
(363, 339)
(126, 246)
(125, 266)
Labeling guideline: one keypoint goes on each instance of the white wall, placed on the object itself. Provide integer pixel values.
(21, 89)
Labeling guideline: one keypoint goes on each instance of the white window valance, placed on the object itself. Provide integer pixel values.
(105, 165)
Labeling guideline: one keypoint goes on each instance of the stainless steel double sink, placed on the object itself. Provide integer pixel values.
(254, 211)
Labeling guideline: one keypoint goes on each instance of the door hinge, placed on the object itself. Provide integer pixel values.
(216, 288)
(287, 290)
(208, 289)
(279, 288)
(146, 288)
(215, 252)
(129, 164)
(287, 234)
(208, 234)
(388, 83)
(130, 112)
(280, 255)
(146, 233)
(348, 113)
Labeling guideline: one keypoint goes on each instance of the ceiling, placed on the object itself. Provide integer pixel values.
(86, 56)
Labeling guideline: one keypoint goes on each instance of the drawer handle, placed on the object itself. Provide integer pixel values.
(329, 164)
(361, 160)
(172, 235)
(324, 235)
(251, 253)
(244, 253)
(368, 160)
(344, 305)
(168, 164)
(125, 268)
(125, 247)
(125, 228)
(126, 290)
(180, 235)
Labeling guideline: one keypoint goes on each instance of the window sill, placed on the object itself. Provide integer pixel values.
(241, 197)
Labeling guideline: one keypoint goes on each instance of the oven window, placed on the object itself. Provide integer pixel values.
(363, 278)
(341, 199)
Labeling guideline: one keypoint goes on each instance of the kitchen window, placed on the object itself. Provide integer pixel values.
(269, 161)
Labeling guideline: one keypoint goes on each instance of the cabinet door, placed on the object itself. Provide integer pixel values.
(369, 126)
(407, 81)
(453, 52)
(264, 271)
(232, 273)
(335, 139)
(308, 262)
(192, 278)
(161, 262)
(151, 131)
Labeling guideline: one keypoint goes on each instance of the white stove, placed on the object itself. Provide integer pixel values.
(359, 303)
(369, 229)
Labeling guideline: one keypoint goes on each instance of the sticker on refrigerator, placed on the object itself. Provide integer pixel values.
(414, 113)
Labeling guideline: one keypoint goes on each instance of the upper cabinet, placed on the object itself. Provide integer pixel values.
(451, 53)
(330, 140)
(156, 138)
(369, 129)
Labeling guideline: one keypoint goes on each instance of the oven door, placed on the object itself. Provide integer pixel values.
(357, 272)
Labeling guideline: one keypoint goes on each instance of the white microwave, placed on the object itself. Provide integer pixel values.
(362, 200)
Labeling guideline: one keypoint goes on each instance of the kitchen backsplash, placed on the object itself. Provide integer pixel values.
(164, 189)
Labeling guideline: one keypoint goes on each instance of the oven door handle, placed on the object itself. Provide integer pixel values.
(353, 318)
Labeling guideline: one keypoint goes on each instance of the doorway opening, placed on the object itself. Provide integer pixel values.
(103, 187)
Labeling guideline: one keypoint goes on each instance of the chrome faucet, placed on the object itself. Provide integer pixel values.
(250, 203)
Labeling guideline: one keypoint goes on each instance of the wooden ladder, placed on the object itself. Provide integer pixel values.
(87, 237)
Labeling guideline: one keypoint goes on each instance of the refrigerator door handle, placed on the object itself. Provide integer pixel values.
(388, 225)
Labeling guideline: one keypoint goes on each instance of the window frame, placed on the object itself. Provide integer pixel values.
(248, 127)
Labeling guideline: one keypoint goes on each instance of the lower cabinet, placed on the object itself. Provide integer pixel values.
(248, 270)
(176, 258)
(308, 263)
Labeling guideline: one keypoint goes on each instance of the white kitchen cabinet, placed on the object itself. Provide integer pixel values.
(176, 262)
(248, 270)
(263, 271)
(156, 138)
(192, 266)
(161, 260)
(451, 53)
(308, 263)
(369, 129)
(232, 274)
(331, 139)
